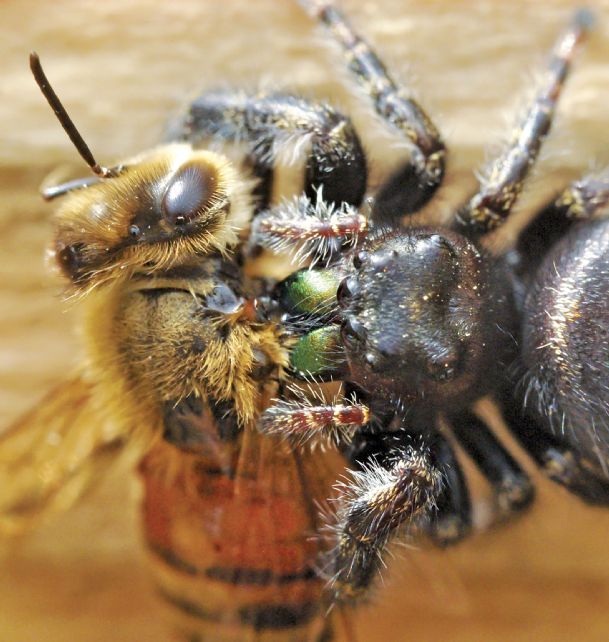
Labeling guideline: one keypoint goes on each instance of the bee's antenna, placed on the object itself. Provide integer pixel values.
(65, 120)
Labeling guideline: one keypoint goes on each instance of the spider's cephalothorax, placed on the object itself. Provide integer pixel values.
(421, 322)
(423, 343)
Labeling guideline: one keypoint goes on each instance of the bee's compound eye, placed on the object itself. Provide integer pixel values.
(69, 258)
(189, 193)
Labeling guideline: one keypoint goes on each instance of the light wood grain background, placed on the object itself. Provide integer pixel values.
(122, 68)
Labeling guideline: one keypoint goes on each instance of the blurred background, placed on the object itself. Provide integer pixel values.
(122, 69)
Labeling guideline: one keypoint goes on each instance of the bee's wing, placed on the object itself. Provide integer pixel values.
(239, 521)
(285, 492)
(52, 453)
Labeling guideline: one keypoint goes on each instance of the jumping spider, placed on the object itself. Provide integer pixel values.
(422, 322)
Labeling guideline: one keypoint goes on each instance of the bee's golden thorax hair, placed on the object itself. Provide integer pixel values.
(165, 208)
(151, 342)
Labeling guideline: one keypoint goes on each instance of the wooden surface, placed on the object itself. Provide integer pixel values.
(122, 68)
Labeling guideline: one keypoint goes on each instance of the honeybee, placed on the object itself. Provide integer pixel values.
(181, 356)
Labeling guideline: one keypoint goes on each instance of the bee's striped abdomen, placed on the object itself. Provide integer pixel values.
(233, 548)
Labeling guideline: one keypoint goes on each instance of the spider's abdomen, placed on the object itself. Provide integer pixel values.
(566, 338)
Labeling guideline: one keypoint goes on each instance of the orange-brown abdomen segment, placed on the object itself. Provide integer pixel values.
(233, 544)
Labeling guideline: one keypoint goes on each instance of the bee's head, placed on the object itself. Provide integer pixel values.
(162, 209)
(159, 210)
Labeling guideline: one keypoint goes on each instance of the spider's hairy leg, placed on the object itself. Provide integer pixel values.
(270, 123)
(396, 482)
(311, 229)
(561, 463)
(414, 184)
(452, 519)
(497, 194)
(511, 486)
(585, 198)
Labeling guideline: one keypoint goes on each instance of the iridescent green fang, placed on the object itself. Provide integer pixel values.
(319, 353)
(310, 292)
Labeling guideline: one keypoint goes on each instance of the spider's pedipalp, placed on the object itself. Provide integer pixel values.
(497, 194)
(308, 229)
(311, 420)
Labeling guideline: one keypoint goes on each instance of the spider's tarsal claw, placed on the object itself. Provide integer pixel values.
(585, 18)
(585, 198)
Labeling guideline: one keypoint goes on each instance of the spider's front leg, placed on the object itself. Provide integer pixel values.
(416, 182)
(396, 481)
(278, 127)
(397, 477)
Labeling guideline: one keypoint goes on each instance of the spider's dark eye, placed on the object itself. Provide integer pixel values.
(353, 330)
(347, 288)
(360, 258)
(189, 193)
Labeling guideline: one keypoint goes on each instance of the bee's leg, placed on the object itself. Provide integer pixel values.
(282, 128)
(309, 229)
(452, 519)
(584, 199)
(561, 463)
(493, 203)
(512, 487)
(415, 183)
(395, 482)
